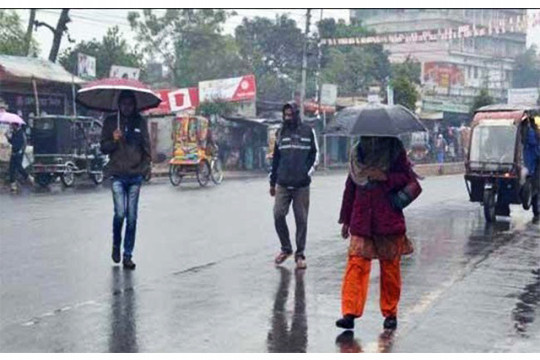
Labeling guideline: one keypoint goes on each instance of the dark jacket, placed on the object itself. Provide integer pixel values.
(131, 155)
(368, 210)
(295, 156)
(18, 141)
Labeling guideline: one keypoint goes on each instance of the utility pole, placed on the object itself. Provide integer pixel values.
(29, 30)
(304, 64)
(319, 91)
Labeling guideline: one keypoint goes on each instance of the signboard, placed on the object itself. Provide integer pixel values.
(444, 105)
(329, 94)
(175, 100)
(526, 96)
(234, 89)
(442, 75)
(24, 104)
(86, 66)
(124, 72)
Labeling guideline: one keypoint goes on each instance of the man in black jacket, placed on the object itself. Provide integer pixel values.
(18, 147)
(294, 160)
(125, 139)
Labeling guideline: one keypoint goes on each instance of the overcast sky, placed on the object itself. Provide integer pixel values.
(89, 23)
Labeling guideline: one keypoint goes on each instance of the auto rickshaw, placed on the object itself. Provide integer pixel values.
(194, 152)
(495, 173)
(66, 147)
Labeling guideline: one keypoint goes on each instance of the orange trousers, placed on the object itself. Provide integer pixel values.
(356, 283)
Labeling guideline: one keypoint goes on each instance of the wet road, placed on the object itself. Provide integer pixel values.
(205, 281)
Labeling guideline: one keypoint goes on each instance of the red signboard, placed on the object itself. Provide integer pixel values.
(175, 100)
(443, 74)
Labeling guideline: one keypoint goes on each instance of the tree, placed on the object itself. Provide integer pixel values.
(273, 52)
(405, 92)
(354, 68)
(404, 77)
(58, 32)
(410, 69)
(12, 36)
(29, 31)
(481, 99)
(526, 70)
(190, 42)
(111, 50)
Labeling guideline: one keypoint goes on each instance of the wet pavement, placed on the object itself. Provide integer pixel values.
(205, 281)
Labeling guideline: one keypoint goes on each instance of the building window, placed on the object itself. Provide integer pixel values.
(476, 72)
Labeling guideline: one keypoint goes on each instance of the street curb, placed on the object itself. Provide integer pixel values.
(427, 170)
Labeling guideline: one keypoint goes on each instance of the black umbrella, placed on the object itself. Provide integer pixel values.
(375, 120)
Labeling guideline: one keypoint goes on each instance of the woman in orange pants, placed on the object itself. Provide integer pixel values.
(378, 168)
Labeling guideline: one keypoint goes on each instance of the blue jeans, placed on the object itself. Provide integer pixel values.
(126, 191)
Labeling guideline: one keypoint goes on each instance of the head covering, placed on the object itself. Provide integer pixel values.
(295, 113)
(372, 152)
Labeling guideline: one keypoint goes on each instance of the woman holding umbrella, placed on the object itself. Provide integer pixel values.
(376, 190)
(17, 140)
(126, 140)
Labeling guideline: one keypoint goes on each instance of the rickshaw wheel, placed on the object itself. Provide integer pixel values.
(490, 199)
(43, 179)
(174, 177)
(203, 173)
(97, 178)
(68, 176)
(216, 172)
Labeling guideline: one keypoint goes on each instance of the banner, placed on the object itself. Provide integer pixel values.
(233, 89)
(124, 72)
(525, 96)
(86, 66)
(517, 24)
(175, 100)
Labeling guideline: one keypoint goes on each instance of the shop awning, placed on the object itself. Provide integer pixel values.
(24, 69)
(242, 120)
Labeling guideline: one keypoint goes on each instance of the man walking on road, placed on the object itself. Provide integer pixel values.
(294, 160)
(126, 141)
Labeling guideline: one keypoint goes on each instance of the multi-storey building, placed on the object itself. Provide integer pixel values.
(453, 71)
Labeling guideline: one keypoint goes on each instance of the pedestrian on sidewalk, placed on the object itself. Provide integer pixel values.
(17, 139)
(294, 160)
(378, 168)
(531, 158)
(441, 147)
(126, 141)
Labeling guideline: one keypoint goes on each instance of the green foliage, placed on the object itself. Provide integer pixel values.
(190, 42)
(209, 108)
(12, 35)
(526, 70)
(273, 52)
(111, 50)
(353, 68)
(409, 69)
(405, 92)
(481, 99)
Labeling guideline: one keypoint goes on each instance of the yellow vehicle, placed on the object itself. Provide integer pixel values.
(194, 152)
